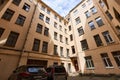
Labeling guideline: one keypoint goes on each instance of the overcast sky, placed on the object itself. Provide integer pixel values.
(62, 6)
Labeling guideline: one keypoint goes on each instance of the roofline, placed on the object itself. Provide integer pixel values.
(51, 9)
(76, 6)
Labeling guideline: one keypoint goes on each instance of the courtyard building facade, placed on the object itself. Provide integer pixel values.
(87, 40)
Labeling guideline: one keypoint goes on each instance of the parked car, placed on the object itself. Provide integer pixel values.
(57, 73)
(28, 72)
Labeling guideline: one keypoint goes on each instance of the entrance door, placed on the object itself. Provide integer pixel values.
(76, 65)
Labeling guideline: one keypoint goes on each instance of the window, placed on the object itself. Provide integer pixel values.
(109, 15)
(77, 20)
(55, 63)
(75, 12)
(69, 28)
(12, 39)
(44, 46)
(42, 8)
(116, 56)
(118, 28)
(80, 31)
(60, 19)
(84, 5)
(55, 17)
(98, 40)
(66, 31)
(117, 14)
(62, 64)
(61, 38)
(89, 2)
(55, 35)
(93, 10)
(102, 4)
(60, 27)
(55, 50)
(73, 49)
(69, 67)
(84, 44)
(48, 11)
(26, 7)
(16, 2)
(46, 31)
(91, 24)
(107, 37)
(68, 19)
(99, 21)
(1, 31)
(47, 20)
(1, 2)
(61, 51)
(66, 40)
(71, 37)
(87, 13)
(39, 28)
(36, 45)
(20, 20)
(106, 60)
(8, 14)
(89, 62)
(55, 24)
(67, 50)
(41, 16)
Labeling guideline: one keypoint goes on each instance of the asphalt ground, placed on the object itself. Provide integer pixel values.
(92, 78)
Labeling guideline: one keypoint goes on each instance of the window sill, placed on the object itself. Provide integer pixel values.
(92, 68)
(112, 42)
(109, 67)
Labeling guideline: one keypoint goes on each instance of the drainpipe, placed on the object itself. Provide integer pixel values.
(22, 50)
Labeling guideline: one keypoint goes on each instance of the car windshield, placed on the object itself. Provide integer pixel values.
(35, 69)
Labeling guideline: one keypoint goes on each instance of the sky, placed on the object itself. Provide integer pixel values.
(62, 6)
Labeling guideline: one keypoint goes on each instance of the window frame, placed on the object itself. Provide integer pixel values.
(99, 21)
(26, 7)
(39, 28)
(45, 47)
(20, 20)
(46, 31)
(12, 39)
(77, 20)
(91, 25)
(107, 37)
(84, 45)
(106, 60)
(89, 62)
(8, 14)
(80, 31)
(41, 16)
(36, 43)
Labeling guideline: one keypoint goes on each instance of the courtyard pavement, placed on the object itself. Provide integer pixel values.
(92, 78)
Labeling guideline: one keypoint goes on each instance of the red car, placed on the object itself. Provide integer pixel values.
(28, 72)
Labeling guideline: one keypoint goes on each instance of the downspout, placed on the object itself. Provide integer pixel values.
(22, 50)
